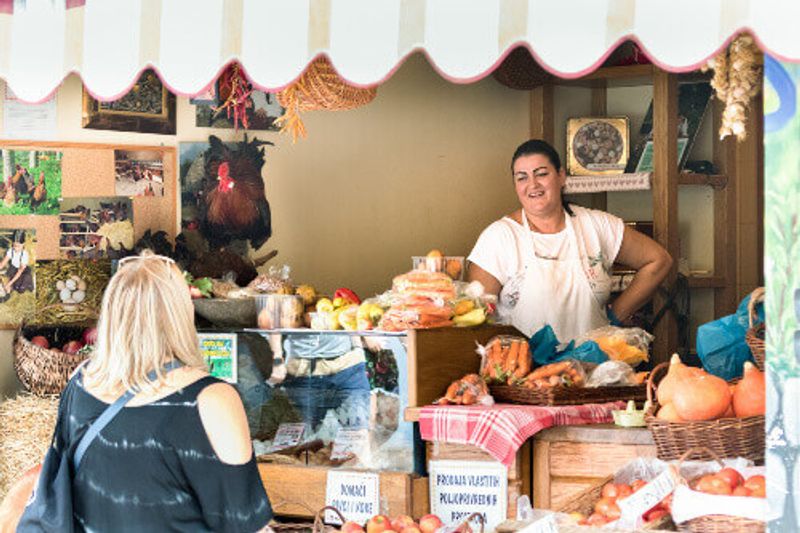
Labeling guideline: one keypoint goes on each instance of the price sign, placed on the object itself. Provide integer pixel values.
(349, 443)
(460, 488)
(644, 499)
(355, 494)
(288, 435)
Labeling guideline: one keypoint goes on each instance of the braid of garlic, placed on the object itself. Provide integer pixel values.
(743, 83)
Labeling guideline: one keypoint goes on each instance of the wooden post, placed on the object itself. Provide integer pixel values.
(542, 113)
(665, 199)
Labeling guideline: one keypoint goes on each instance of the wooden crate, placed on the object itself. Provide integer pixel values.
(299, 491)
(519, 472)
(569, 460)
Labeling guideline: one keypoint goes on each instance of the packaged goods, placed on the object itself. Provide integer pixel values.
(567, 373)
(469, 390)
(629, 345)
(279, 311)
(505, 359)
(420, 299)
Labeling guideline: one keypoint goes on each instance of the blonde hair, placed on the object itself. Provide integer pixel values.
(146, 320)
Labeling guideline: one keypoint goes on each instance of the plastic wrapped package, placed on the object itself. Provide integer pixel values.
(505, 359)
(568, 373)
(420, 299)
(629, 345)
(469, 390)
(612, 373)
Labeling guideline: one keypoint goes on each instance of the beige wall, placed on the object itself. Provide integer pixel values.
(424, 166)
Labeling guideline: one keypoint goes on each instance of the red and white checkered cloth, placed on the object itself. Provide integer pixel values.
(501, 429)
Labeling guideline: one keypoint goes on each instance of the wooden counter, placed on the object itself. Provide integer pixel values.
(568, 459)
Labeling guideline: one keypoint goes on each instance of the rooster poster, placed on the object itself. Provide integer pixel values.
(138, 173)
(31, 182)
(222, 192)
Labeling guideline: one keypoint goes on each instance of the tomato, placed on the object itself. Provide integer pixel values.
(610, 491)
(757, 486)
(654, 514)
(607, 507)
(711, 484)
(733, 477)
(623, 491)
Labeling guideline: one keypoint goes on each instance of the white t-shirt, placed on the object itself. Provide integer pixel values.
(497, 251)
(18, 259)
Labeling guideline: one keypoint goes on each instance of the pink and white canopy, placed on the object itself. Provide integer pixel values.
(108, 42)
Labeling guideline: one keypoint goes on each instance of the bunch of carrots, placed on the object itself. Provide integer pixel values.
(468, 390)
(508, 361)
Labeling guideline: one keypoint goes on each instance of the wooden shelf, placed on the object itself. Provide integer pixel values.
(707, 282)
(627, 75)
(718, 181)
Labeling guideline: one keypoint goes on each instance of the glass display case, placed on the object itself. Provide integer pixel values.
(327, 398)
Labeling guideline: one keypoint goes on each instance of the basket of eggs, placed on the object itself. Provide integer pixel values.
(693, 408)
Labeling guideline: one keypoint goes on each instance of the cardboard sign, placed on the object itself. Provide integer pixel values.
(349, 443)
(220, 353)
(634, 506)
(460, 488)
(288, 435)
(355, 494)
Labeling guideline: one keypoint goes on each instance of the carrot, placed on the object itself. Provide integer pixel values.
(510, 364)
(523, 361)
(549, 370)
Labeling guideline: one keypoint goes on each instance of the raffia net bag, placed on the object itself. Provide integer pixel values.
(756, 334)
(319, 87)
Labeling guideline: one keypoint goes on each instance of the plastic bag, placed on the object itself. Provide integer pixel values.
(544, 346)
(505, 359)
(568, 373)
(721, 344)
(612, 373)
(469, 390)
(629, 345)
(276, 280)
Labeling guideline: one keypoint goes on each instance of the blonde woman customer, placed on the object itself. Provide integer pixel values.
(178, 456)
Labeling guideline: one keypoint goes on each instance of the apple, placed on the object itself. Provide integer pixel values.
(654, 514)
(430, 523)
(351, 527)
(402, 521)
(638, 484)
(379, 523)
(623, 491)
(741, 490)
(39, 340)
(411, 529)
(596, 519)
(733, 477)
(90, 336)
(72, 347)
(711, 484)
(757, 486)
(577, 518)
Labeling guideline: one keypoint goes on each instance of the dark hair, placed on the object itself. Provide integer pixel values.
(540, 147)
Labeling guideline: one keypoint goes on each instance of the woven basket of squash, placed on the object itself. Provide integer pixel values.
(693, 408)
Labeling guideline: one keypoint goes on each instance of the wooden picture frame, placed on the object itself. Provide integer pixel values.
(597, 145)
(147, 108)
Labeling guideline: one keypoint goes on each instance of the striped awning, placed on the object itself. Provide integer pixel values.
(108, 42)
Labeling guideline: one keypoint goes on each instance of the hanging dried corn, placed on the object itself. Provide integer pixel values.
(737, 79)
(319, 87)
(235, 93)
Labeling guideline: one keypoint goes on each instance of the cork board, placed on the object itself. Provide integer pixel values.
(87, 170)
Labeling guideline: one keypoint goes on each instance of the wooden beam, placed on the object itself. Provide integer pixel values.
(665, 199)
(542, 122)
(724, 219)
(717, 181)
(749, 168)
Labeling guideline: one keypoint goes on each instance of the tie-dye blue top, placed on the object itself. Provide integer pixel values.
(152, 468)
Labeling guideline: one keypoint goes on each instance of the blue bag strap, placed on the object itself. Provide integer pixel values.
(110, 412)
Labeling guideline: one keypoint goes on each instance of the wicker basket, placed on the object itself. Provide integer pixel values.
(41, 370)
(717, 523)
(319, 87)
(567, 395)
(727, 437)
(756, 334)
(584, 502)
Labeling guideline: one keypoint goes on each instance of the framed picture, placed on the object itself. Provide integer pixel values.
(597, 145)
(147, 108)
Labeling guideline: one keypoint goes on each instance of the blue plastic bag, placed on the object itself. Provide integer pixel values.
(544, 347)
(721, 346)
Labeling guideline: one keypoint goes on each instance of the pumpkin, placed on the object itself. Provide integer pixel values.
(749, 398)
(701, 396)
(677, 371)
(669, 414)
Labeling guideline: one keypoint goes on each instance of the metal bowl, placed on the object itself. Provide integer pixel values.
(224, 312)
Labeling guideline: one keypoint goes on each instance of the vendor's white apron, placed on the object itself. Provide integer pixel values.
(555, 291)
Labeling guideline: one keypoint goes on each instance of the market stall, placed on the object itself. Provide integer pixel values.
(388, 401)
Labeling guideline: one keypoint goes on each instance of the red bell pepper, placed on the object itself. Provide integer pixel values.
(347, 294)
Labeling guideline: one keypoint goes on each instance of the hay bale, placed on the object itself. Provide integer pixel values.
(26, 428)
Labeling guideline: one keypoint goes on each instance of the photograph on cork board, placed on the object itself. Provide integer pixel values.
(70, 290)
(95, 228)
(17, 276)
(138, 173)
(31, 182)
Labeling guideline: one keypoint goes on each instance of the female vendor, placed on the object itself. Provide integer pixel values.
(550, 262)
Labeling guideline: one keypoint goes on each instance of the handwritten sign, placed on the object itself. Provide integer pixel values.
(349, 443)
(355, 494)
(460, 488)
(288, 435)
(634, 506)
(220, 353)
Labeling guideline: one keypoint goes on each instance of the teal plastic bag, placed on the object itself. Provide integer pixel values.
(544, 347)
(721, 344)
